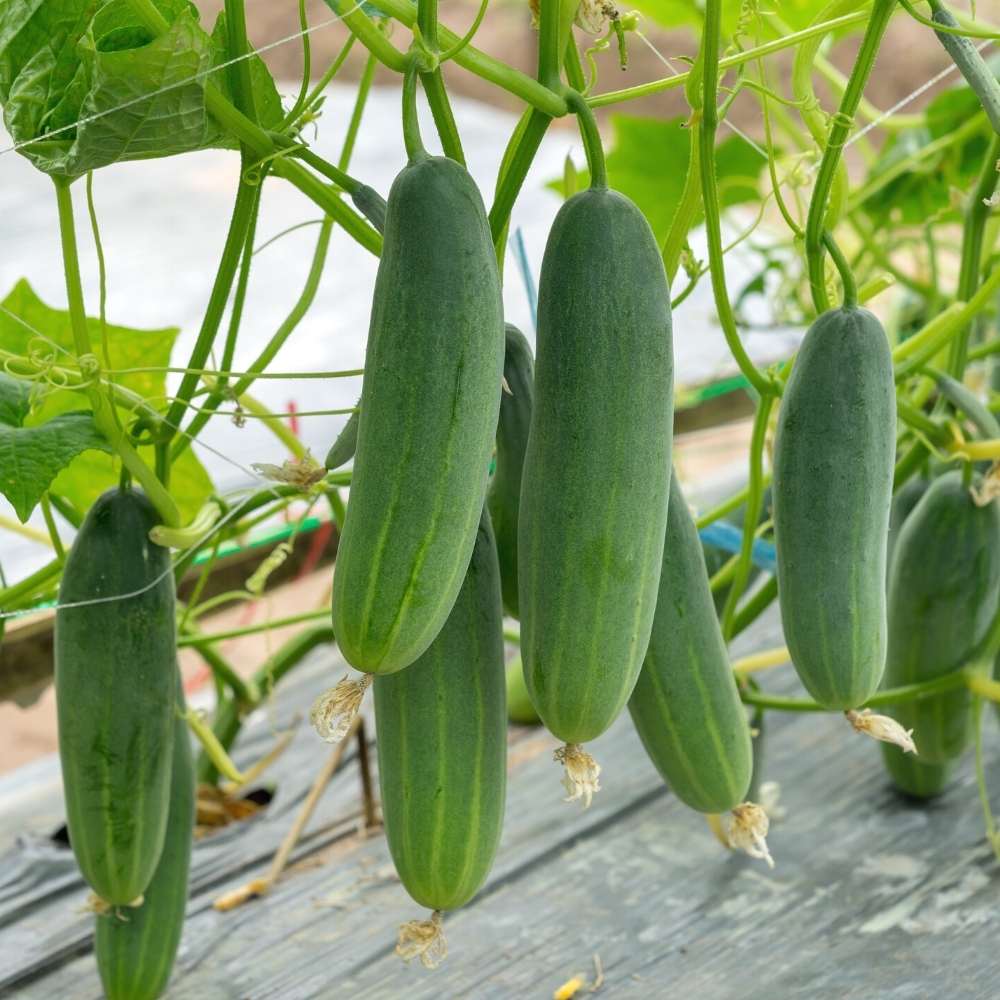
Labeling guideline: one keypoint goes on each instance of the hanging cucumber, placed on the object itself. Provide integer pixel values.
(596, 472)
(906, 498)
(429, 405)
(519, 707)
(686, 706)
(342, 450)
(913, 777)
(512, 439)
(833, 468)
(136, 947)
(944, 585)
(115, 680)
(442, 752)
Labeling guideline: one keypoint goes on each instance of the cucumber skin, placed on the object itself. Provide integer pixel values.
(833, 468)
(686, 706)
(504, 494)
(914, 778)
(442, 745)
(115, 679)
(429, 406)
(907, 497)
(597, 469)
(342, 450)
(135, 950)
(944, 585)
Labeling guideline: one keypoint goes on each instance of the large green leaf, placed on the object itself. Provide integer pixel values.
(691, 13)
(924, 190)
(648, 161)
(26, 320)
(31, 457)
(27, 323)
(87, 85)
(91, 473)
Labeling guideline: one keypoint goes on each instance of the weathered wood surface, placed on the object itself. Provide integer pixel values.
(871, 897)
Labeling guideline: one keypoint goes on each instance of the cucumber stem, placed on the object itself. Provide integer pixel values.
(709, 63)
(105, 416)
(842, 123)
(411, 126)
(591, 140)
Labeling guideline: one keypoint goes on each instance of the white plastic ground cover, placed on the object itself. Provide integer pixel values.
(163, 223)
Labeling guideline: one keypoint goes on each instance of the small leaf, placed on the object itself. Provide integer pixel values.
(15, 400)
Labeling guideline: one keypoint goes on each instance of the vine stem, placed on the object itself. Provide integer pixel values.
(755, 496)
(973, 231)
(890, 696)
(710, 199)
(411, 125)
(791, 40)
(591, 140)
(104, 416)
(843, 122)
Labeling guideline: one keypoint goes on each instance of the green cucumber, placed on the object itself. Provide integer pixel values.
(519, 707)
(342, 450)
(833, 468)
(442, 745)
(686, 706)
(429, 406)
(136, 946)
(512, 439)
(596, 475)
(944, 585)
(115, 680)
(914, 778)
(907, 497)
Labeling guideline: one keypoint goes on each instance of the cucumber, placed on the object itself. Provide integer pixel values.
(136, 947)
(429, 406)
(914, 778)
(944, 585)
(342, 450)
(833, 468)
(512, 439)
(442, 745)
(686, 706)
(596, 475)
(115, 680)
(519, 707)
(907, 497)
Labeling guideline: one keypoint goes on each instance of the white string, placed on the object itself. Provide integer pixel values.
(86, 120)
(256, 478)
(899, 105)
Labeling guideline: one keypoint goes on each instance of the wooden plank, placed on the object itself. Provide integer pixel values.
(871, 897)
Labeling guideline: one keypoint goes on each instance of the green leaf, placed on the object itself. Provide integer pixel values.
(91, 473)
(31, 457)
(26, 320)
(86, 83)
(691, 13)
(648, 161)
